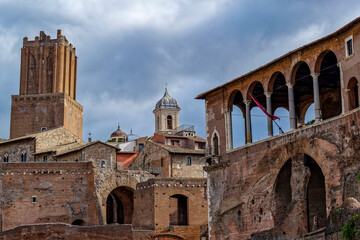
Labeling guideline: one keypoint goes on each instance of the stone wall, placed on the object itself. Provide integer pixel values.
(45, 193)
(70, 232)
(31, 113)
(14, 150)
(153, 209)
(243, 185)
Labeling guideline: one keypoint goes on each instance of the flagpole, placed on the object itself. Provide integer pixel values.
(278, 127)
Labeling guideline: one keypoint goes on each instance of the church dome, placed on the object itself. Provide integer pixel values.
(166, 102)
(118, 133)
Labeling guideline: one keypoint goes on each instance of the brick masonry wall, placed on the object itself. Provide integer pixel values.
(70, 232)
(152, 205)
(244, 181)
(31, 113)
(63, 192)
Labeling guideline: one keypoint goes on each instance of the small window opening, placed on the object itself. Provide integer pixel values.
(349, 46)
(23, 156)
(178, 165)
(45, 159)
(34, 199)
(169, 122)
(162, 162)
(102, 164)
(188, 160)
(6, 157)
(43, 129)
(141, 146)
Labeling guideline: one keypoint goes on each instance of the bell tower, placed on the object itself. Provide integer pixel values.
(47, 95)
(166, 114)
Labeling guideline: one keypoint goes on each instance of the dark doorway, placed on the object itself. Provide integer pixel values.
(120, 206)
(316, 196)
(178, 206)
(282, 192)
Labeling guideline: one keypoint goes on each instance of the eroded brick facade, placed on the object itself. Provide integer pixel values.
(47, 95)
(288, 186)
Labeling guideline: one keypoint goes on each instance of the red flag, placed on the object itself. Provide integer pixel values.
(272, 117)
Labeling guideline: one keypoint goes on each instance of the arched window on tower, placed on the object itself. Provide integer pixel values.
(6, 157)
(169, 122)
(23, 156)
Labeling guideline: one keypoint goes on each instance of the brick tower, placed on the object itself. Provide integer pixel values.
(47, 97)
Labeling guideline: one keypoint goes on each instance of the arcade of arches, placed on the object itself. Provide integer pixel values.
(321, 87)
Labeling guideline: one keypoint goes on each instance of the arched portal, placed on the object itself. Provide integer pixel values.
(282, 194)
(329, 86)
(303, 89)
(237, 108)
(120, 206)
(279, 101)
(258, 118)
(316, 196)
(178, 205)
(302, 173)
(353, 93)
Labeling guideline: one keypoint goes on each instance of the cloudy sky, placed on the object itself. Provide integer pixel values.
(128, 49)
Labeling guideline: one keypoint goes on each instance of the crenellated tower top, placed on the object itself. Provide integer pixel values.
(48, 66)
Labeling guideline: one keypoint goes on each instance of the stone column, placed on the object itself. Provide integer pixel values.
(341, 89)
(228, 129)
(269, 111)
(248, 122)
(315, 77)
(291, 106)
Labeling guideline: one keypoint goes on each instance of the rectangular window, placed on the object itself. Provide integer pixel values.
(141, 146)
(178, 165)
(102, 164)
(33, 199)
(188, 160)
(349, 46)
(45, 159)
(162, 162)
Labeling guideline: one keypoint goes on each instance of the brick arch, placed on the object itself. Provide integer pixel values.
(320, 58)
(123, 181)
(251, 88)
(303, 112)
(270, 85)
(317, 149)
(231, 100)
(295, 68)
(166, 236)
